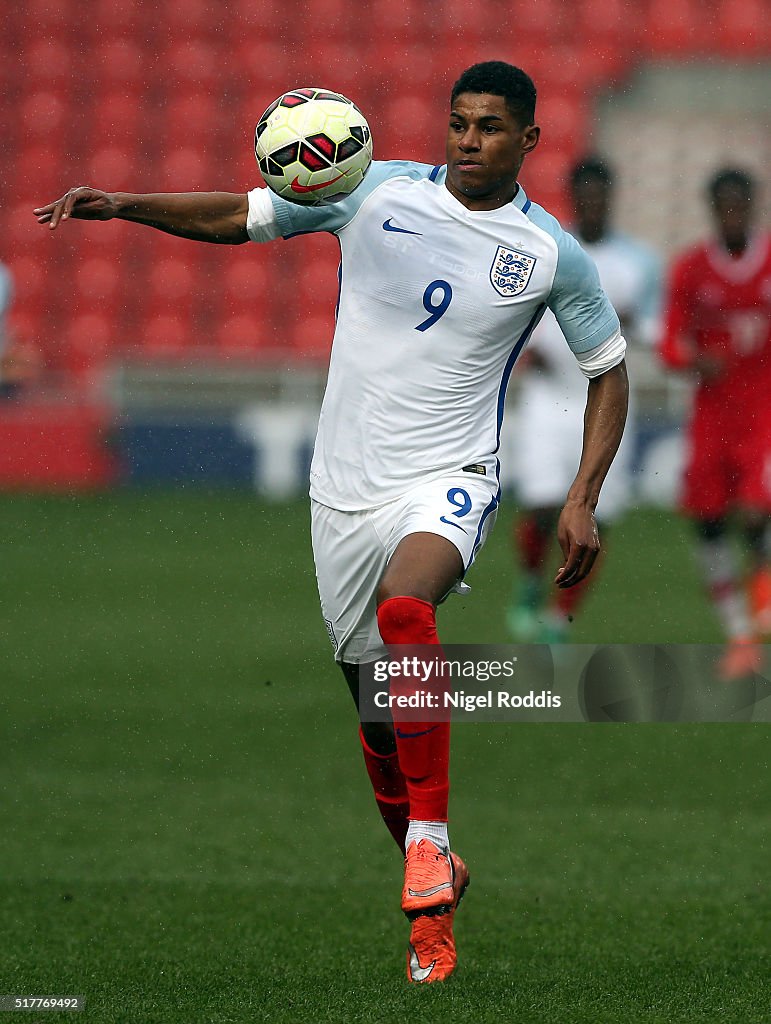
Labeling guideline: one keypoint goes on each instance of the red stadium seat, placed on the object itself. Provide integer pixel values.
(190, 120)
(86, 345)
(317, 290)
(743, 29)
(22, 233)
(250, 20)
(677, 27)
(39, 174)
(187, 170)
(334, 66)
(541, 23)
(115, 241)
(60, 17)
(176, 280)
(167, 335)
(571, 71)
(121, 64)
(544, 177)
(335, 17)
(193, 18)
(45, 116)
(108, 19)
(192, 62)
(118, 119)
(29, 283)
(415, 68)
(563, 123)
(458, 30)
(98, 286)
(259, 70)
(244, 335)
(312, 337)
(399, 20)
(29, 326)
(606, 22)
(112, 169)
(173, 283)
(48, 64)
(414, 128)
(244, 285)
(157, 246)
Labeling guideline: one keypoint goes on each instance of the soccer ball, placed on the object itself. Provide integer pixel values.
(313, 146)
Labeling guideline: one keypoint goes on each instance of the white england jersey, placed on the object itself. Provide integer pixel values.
(436, 304)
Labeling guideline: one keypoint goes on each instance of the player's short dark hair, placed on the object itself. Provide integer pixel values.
(500, 79)
(591, 168)
(733, 177)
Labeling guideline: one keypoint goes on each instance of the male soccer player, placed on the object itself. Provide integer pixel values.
(445, 272)
(550, 407)
(718, 325)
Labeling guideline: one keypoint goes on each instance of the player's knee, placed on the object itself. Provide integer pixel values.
(403, 619)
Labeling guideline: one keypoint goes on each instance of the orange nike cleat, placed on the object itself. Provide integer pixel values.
(760, 600)
(431, 954)
(742, 657)
(428, 879)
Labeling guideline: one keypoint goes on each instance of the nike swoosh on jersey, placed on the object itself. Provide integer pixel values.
(297, 187)
(431, 891)
(388, 226)
(417, 972)
(409, 735)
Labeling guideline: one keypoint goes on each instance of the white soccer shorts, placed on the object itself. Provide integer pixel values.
(544, 449)
(351, 551)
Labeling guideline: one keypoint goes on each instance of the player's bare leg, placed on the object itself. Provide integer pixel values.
(421, 571)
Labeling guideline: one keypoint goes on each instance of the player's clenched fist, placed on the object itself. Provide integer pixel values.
(81, 202)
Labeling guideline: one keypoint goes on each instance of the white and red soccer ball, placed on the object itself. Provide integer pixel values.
(313, 146)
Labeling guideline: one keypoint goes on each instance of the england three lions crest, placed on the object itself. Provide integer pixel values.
(511, 271)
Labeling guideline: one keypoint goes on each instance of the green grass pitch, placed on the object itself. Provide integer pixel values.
(188, 835)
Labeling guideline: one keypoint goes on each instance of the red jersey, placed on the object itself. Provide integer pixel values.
(721, 305)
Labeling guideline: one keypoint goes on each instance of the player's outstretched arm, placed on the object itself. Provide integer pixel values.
(606, 407)
(203, 216)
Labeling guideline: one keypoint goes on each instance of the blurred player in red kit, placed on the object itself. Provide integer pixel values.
(718, 325)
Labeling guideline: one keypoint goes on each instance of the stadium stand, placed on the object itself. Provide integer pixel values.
(100, 99)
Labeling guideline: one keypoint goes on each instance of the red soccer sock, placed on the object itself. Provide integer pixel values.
(423, 747)
(390, 788)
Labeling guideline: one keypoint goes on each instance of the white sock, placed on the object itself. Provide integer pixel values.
(720, 572)
(436, 831)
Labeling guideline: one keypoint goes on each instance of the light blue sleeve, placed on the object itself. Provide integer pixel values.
(577, 299)
(294, 219)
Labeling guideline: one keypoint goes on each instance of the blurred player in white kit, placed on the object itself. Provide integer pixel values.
(549, 411)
